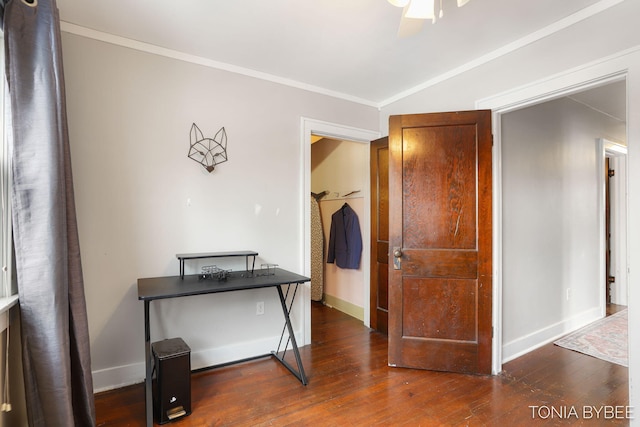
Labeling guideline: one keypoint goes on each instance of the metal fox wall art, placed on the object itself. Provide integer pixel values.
(209, 152)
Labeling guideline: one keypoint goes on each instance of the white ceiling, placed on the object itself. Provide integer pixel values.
(347, 48)
(610, 99)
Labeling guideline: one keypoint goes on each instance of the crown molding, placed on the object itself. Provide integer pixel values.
(78, 30)
(556, 27)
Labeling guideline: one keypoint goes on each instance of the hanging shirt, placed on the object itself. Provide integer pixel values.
(345, 240)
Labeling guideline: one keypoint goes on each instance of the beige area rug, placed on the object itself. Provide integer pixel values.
(605, 339)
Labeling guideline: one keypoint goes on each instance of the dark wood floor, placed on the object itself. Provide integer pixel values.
(350, 384)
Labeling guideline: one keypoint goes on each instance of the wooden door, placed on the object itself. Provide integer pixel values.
(440, 236)
(379, 287)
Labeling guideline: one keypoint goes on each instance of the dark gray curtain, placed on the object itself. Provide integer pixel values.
(55, 335)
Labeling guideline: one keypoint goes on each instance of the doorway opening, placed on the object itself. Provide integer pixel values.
(614, 173)
(335, 131)
(338, 170)
(560, 234)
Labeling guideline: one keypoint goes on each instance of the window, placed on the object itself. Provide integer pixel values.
(8, 286)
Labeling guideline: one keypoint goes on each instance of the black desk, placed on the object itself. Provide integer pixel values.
(157, 288)
(246, 254)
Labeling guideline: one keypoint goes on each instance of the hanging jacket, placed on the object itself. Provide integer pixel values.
(345, 240)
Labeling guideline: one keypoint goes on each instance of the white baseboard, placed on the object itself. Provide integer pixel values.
(122, 376)
(116, 377)
(536, 339)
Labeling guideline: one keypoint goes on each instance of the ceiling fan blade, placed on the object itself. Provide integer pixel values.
(410, 27)
(420, 9)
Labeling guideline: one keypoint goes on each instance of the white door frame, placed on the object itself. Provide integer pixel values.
(337, 131)
(555, 87)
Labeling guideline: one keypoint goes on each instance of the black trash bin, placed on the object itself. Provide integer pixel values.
(172, 380)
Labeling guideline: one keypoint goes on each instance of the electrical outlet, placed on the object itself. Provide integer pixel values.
(259, 308)
(568, 294)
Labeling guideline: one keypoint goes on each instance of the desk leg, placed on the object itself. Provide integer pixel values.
(246, 263)
(300, 373)
(148, 369)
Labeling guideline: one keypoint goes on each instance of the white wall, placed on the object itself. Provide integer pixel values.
(341, 167)
(140, 200)
(603, 45)
(551, 272)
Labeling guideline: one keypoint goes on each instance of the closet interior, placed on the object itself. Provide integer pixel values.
(338, 178)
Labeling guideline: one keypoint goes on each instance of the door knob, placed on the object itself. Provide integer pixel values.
(397, 262)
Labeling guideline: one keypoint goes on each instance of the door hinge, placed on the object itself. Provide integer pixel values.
(612, 173)
(492, 332)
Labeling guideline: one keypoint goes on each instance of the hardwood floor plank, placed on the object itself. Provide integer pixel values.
(350, 384)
